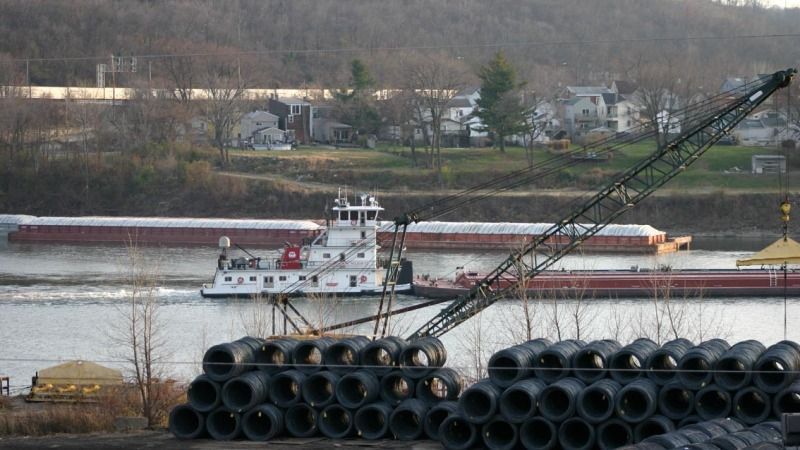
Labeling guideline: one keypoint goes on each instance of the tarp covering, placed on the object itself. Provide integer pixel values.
(15, 219)
(79, 373)
(519, 228)
(148, 222)
(778, 253)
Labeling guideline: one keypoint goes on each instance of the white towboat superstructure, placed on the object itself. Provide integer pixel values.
(343, 260)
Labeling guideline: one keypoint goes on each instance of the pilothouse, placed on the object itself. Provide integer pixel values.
(343, 260)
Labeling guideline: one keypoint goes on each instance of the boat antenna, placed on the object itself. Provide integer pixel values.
(243, 249)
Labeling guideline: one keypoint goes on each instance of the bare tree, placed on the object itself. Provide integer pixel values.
(535, 123)
(224, 104)
(399, 112)
(619, 323)
(182, 70)
(257, 315)
(141, 333)
(435, 85)
(657, 97)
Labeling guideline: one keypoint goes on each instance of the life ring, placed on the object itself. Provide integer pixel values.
(240, 280)
(353, 222)
(363, 279)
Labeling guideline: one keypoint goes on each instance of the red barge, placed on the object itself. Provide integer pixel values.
(274, 233)
(600, 284)
(167, 231)
(614, 238)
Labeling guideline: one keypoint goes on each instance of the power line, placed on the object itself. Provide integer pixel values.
(509, 44)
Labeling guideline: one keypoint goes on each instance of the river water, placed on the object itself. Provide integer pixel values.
(62, 302)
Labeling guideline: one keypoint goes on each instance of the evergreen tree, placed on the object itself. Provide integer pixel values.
(499, 107)
(357, 107)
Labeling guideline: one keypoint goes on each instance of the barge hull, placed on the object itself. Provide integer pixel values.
(612, 284)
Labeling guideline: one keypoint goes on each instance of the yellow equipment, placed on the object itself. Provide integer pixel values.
(72, 381)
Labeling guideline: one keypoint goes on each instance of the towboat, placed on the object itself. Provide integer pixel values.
(343, 260)
(636, 282)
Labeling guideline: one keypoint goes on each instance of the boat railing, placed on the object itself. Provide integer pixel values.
(264, 264)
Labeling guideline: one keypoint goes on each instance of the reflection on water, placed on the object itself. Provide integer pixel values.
(65, 301)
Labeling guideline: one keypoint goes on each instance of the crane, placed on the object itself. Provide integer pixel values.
(623, 193)
(705, 125)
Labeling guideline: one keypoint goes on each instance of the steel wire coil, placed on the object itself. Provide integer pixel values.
(614, 433)
(372, 421)
(396, 386)
(342, 356)
(436, 416)
(591, 362)
(286, 388)
(357, 389)
(500, 434)
(637, 401)
(770, 431)
(422, 356)
(576, 434)
(440, 385)
(223, 424)
(308, 355)
(263, 422)
(246, 391)
(382, 355)
(596, 402)
(777, 367)
(319, 388)
(407, 419)
(669, 440)
(479, 402)
(712, 402)
(696, 367)
(512, 364)
(457, 433)
(652, 426)
(275, 355)
(186, 422)
(734, 368)
(751, 405)
(520, 401)
(629, 362)
(336, 422)
(555, 362)
(675, 401)
(222, 362)
(204, 394)
(663, 362)
(301, 420)
(538, 433)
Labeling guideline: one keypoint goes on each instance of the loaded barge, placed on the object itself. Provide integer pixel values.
(600, 284)
(274, 233)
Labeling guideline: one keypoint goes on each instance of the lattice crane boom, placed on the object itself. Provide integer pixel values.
(622, 194)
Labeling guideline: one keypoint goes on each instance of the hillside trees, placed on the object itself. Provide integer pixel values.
(499, 106)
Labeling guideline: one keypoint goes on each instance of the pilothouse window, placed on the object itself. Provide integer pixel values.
(371, 215)
(342, 215)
